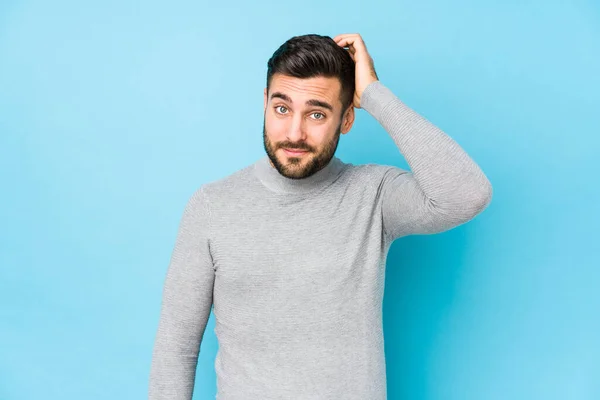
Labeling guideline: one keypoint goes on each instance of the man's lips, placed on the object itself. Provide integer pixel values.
(295, 152)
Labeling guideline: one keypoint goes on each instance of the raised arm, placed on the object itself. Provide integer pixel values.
(445, 187)
(186, 304)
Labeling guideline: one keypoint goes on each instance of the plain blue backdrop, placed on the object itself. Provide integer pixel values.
(112, 113)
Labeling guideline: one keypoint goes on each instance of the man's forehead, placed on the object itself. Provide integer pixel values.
(320, 87)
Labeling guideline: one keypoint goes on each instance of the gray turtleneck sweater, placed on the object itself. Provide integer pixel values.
(295, 268)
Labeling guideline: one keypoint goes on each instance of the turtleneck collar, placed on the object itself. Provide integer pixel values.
(276, 182)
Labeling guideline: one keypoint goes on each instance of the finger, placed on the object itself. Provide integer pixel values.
(345, 35)
(359, 44)
(340, 36)
(355, 41)
(346, 42)
(350, 37)
(351, 50)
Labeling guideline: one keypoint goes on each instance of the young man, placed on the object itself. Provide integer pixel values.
(291, 250)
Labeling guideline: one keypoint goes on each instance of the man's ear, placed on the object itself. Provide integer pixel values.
(265, 105)
(348, 120)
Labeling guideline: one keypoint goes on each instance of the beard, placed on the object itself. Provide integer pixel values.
(304, 165)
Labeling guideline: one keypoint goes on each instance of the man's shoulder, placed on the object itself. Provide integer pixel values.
(229, 184)
(373, 171)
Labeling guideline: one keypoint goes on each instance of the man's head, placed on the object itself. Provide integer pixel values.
(308, 102)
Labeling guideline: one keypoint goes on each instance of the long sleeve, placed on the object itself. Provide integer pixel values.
(186, 304)
(445, 187)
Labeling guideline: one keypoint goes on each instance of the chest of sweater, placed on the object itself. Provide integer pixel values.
(288, 259)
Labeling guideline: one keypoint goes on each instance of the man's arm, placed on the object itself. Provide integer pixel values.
(186, 304)
(445, 187)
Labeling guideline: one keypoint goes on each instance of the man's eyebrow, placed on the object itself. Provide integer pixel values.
(312, 102)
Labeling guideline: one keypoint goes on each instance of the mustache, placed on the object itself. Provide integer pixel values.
(292, 146)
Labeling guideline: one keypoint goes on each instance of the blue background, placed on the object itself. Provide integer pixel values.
(112, 113)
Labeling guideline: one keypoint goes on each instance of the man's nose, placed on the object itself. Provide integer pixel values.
(297, 132)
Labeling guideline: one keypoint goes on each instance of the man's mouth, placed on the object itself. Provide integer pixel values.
(295, 152)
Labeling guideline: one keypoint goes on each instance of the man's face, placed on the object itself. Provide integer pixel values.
(303, 114)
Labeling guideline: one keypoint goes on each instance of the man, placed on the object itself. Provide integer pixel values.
(291, 250)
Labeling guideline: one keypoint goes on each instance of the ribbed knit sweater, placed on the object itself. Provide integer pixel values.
(293, 269)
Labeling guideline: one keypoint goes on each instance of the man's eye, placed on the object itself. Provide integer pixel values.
(277, 108)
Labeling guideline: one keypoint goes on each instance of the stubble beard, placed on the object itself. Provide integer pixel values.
(305, 165)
